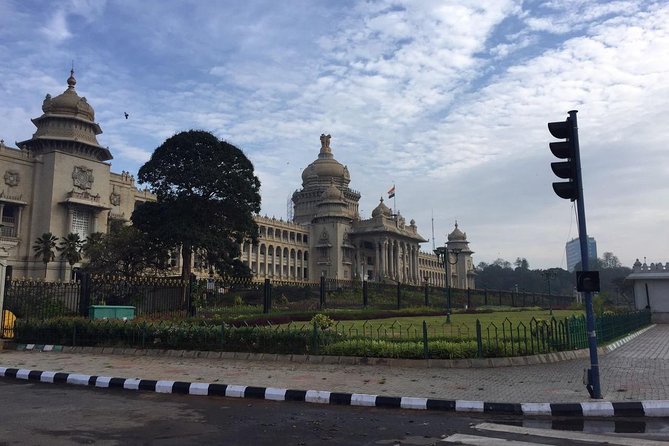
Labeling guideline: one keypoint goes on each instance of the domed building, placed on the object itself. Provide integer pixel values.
(59, 181)
(336, 243)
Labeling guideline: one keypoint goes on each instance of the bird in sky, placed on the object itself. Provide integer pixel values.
(126, 115)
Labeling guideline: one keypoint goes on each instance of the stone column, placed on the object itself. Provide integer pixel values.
(377, 260)
(19, 214)
(257, 261)
(382, 249)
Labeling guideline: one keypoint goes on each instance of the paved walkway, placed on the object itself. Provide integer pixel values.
(636, 371)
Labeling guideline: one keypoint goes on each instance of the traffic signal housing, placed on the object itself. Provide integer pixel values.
(566, 150)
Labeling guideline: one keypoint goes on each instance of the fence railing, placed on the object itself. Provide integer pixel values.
(371, 339)
(169, 298)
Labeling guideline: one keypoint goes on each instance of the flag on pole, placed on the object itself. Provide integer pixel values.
(391, 192)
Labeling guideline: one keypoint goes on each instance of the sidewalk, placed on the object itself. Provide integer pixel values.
(636, 371)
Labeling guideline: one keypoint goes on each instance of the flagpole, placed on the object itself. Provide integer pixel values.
(394, 198)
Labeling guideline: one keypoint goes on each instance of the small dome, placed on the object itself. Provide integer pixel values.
(69, 103)
(457, 235)
(381, 209)
(331, 193)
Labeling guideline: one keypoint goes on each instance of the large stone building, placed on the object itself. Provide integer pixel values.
(328, 238)
(59, 181)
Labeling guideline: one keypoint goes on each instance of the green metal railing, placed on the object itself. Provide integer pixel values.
(373, 339)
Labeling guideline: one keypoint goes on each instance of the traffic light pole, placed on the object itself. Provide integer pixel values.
(593, 384)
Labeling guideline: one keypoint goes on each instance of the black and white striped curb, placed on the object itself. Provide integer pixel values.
(586, 409)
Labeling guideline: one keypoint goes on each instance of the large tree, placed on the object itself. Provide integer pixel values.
(207, 195)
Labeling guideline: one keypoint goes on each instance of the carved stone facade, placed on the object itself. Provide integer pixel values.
(59, 181)
(328, 238)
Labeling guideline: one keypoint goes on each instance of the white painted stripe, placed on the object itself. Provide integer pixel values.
(569, 435)
(22, 373)
(47, 348)
(47, 377)
(102, 381)
(235, 391)
(198, 389)
(656, 408)
(536, 408)
(2, 371)
(413, 403)
(317, 396)
(484, 441)
(272, 393)
(468, 406)
(164, 386)
(78, 379)
(597, 409)
(30, 346)
(131, 384)
(363, 399)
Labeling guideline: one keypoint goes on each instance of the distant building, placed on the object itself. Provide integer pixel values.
(573, 249)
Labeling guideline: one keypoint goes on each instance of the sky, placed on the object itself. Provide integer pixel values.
(446, 100)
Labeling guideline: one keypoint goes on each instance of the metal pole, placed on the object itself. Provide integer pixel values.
(596, 391)
(447, 262)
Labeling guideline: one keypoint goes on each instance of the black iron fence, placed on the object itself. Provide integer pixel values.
(174, 298)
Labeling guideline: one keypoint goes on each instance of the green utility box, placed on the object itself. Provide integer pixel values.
(111, 312)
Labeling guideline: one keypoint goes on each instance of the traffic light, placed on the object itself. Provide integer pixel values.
(566, 149)
(587, 281)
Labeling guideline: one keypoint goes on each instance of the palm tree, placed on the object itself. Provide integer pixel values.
(70, 248)
(44, 247)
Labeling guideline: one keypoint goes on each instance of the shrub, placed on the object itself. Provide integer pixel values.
(377, 348)
(184, 335)
(322, 321)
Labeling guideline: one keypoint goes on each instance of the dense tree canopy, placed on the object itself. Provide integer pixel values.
(124, 251)
(207, 194)
(501, 275)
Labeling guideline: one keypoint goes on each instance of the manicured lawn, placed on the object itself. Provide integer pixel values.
(462, 324)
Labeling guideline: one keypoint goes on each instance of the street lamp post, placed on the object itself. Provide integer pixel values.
(549, 275)
(442, 256)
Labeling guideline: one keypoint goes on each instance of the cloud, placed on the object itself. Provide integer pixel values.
(449, 100)
(56, 29)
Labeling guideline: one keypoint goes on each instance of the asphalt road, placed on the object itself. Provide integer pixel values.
(47, 414)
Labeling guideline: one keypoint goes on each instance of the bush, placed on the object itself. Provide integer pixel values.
(322, 321)
(180, 336)
(440, 349)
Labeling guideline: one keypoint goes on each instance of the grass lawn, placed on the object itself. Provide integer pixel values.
(462, 324)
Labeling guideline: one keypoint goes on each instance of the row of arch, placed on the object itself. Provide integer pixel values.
(283, 235)
(276, 261)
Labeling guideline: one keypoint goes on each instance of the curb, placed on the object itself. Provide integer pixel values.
(585, 409)
(513, 361)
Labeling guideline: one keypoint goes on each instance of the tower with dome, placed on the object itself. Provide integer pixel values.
(59, 181)
(381, 248)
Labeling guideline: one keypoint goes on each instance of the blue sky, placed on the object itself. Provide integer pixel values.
(447, 100)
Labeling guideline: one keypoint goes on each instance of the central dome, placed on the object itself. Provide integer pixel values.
(326, 168)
